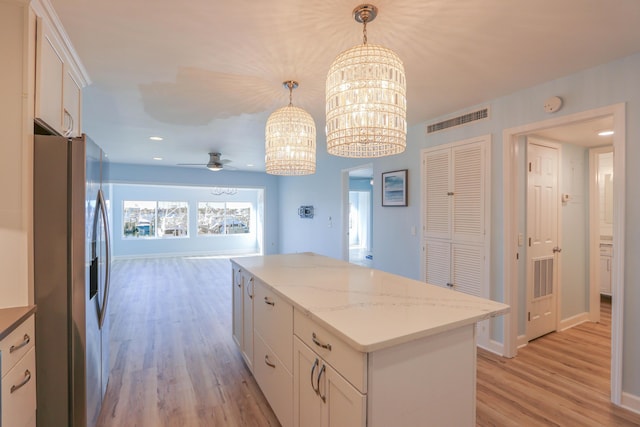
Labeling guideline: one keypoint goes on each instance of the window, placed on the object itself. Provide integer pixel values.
(151, 219)
(215, 218)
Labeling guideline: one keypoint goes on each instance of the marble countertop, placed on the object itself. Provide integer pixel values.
(11, 318)
(369, 309)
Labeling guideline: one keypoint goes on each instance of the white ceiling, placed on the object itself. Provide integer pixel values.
(205, 75)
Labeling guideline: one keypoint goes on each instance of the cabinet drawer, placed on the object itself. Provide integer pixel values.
(351, 363)
(19, 406)
(273, 320)
(17, 344)
(275, 382)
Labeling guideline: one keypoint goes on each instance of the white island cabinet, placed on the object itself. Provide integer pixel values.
(337, 344)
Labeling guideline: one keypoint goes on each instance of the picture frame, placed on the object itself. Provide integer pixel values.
(394, 188)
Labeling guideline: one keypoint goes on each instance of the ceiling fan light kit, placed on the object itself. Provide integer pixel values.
(290, 140)
(366, 105)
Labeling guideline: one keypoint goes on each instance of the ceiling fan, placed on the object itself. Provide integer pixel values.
(215, 163)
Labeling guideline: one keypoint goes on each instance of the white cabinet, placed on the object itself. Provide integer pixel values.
(58, 91)
(242, 294)
(455, 185)
(606, 257)
(237, 292)
(247, 318)
(273, 352)
(322, 397)
(18, 395)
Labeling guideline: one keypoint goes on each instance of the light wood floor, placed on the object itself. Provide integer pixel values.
(174, 362)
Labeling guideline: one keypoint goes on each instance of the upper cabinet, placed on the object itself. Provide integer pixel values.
(59, 79)
(40, 79)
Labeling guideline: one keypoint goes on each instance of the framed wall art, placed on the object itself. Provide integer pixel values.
(394, 188)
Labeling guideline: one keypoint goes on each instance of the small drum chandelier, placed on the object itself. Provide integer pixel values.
(290, 140)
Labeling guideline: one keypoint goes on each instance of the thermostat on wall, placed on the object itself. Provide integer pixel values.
(305, 211)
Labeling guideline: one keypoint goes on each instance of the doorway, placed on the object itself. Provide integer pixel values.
(513, 218)
(358, 215)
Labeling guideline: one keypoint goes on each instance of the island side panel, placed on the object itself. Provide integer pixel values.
(431, 380)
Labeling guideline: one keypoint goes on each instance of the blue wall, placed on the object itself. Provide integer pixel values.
(397, 250)
(189, 184)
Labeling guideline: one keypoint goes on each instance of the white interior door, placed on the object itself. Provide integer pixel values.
(542, 231)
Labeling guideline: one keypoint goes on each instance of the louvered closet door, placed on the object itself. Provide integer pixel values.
(437, 259)
(468, 193)
(437, 200)
(467, 268)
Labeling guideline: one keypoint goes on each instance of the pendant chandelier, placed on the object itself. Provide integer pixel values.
(366, 100)
(290, 140)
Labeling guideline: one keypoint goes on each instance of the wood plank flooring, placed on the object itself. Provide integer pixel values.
(174, 362)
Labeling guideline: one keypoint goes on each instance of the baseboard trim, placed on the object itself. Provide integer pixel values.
(522, 341)
(630, 402)
(494, 347)
(574, 321)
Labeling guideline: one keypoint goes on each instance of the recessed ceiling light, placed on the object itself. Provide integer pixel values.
(157, 158)
(605, 133)
(249, 165)
(156, 138)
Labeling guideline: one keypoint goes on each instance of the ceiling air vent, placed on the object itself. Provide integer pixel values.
(459, 121)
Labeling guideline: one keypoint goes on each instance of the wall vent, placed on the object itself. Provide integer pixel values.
(459, 121)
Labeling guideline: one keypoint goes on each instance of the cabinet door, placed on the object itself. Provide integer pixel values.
(437, 262)
(437, 194)
(49, 78)
(72, 100)
(247, 319)
(237, 305)
(467, 269)
(345, 406)
(274, 381)
(307, 405)
(468, 190)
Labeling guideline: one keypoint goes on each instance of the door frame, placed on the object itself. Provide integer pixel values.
(345, 208)
(557, 285)
(594, 231)
(511, 214)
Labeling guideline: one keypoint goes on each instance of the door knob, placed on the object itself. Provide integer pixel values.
(557, 249)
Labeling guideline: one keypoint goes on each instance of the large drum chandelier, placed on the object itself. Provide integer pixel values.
(366, 101)
(290, 140)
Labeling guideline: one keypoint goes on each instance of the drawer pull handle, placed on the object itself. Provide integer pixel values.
(318, 343)
(313, 368)
(25, 340)
(250, 293)
(324, 398)
(268, 362)
(27, 377)
(266, 301)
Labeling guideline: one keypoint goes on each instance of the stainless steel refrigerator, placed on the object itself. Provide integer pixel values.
(71, 280)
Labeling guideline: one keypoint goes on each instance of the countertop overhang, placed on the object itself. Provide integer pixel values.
(369, 309)
(11, 318)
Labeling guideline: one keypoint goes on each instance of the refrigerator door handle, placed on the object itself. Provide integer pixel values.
(100, 203)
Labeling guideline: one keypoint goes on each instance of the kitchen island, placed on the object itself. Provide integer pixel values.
(332, 344)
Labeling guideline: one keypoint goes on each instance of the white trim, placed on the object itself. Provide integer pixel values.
(572, 321)
(631, 402)
(510, 247)
(522, 341)
(494, 347)
(344, 208)
(594, 233)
